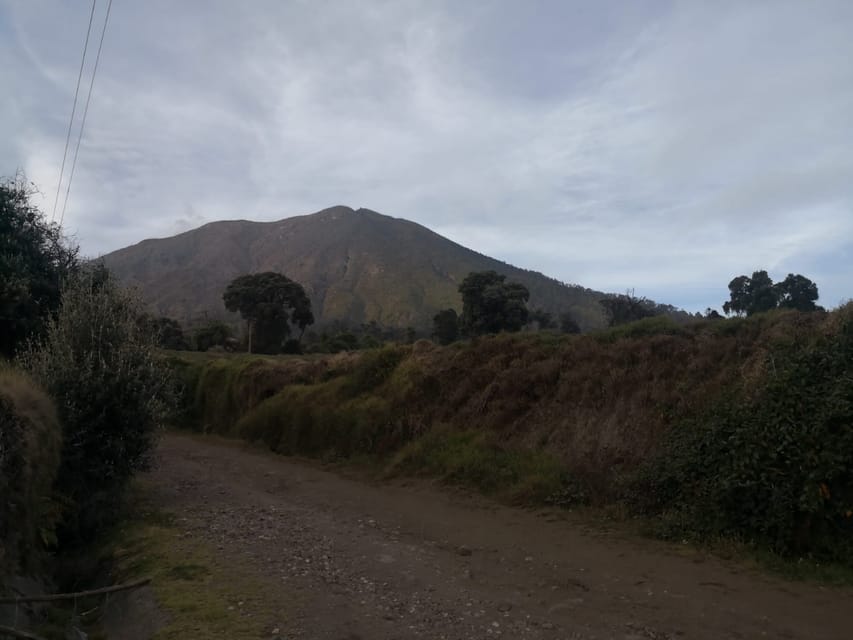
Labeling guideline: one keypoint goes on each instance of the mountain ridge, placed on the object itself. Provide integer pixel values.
(357, 265)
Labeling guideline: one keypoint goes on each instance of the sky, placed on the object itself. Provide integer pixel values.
(663, 147)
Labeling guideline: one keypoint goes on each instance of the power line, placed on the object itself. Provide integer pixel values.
(85, 111)
(73, 110)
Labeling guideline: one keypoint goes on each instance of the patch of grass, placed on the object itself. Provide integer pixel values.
(472, 459)
(201, 594)
(654, 326)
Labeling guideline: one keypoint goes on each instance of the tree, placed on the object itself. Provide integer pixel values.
(445, 326)
(212, 334)
(99, 364)
(797, 292)
(490, 305)
(34, 262)
(568, 324)
(757, 294)
(168, 333)
(269, 302)
(621, 309)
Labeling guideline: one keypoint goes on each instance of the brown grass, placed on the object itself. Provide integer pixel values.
(30, 441)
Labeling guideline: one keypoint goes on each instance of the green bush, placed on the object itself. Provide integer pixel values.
(771, 464)
(30, 439)
(98, 363)
(374, 368)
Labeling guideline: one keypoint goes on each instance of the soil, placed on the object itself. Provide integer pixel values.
(361, 560)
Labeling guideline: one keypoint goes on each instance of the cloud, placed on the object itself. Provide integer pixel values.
(663, 148)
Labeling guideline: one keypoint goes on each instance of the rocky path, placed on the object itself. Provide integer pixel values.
(362, 561)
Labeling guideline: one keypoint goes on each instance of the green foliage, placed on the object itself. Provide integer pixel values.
(491, 305)
(758, 294)
(269, 302)
(622, 309)
(652, 326)
(772, 464)
(30, 438)
(98, 362)
(797, 292)
(568, 323)
(477, 459)
(446, 326)
(374, 368)
(168, 333)
(212, 334)
(34, 261)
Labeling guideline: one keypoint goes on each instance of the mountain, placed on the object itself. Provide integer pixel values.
(356, 266)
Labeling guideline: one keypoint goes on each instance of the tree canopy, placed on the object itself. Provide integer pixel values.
(269, 302)
(211, 334)
(756, 294)
(445, 326)
(491, 305)
(624, 308)
(34, 262)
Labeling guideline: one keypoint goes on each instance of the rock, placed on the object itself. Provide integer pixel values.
(463, 551)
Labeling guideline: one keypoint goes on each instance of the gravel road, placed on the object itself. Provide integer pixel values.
(410, 560)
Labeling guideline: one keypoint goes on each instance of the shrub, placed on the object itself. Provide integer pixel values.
(30, 439)
(98, 363)
(374, 368)
(771, 464)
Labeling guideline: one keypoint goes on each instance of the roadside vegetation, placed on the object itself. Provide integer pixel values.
(83, 396)
(737, 429)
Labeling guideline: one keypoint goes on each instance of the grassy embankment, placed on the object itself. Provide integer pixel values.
(733, 429)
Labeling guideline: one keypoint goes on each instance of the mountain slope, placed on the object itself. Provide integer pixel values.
(356, 266)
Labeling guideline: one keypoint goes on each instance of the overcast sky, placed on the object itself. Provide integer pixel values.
(659, 146)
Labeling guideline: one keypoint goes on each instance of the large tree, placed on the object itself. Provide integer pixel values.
(491, 305)
(269, 303)
(756, 294)
(34, 262)
(797, 292)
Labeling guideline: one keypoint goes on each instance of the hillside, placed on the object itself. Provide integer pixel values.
(356, 266)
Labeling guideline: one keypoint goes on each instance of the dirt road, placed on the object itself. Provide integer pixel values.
(359, 561)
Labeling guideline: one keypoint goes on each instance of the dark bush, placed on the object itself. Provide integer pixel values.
(771, 464)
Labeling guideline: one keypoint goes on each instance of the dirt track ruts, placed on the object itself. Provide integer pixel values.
(407, 560)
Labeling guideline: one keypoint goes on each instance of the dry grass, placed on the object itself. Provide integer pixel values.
(30, 440)
(598, 404)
